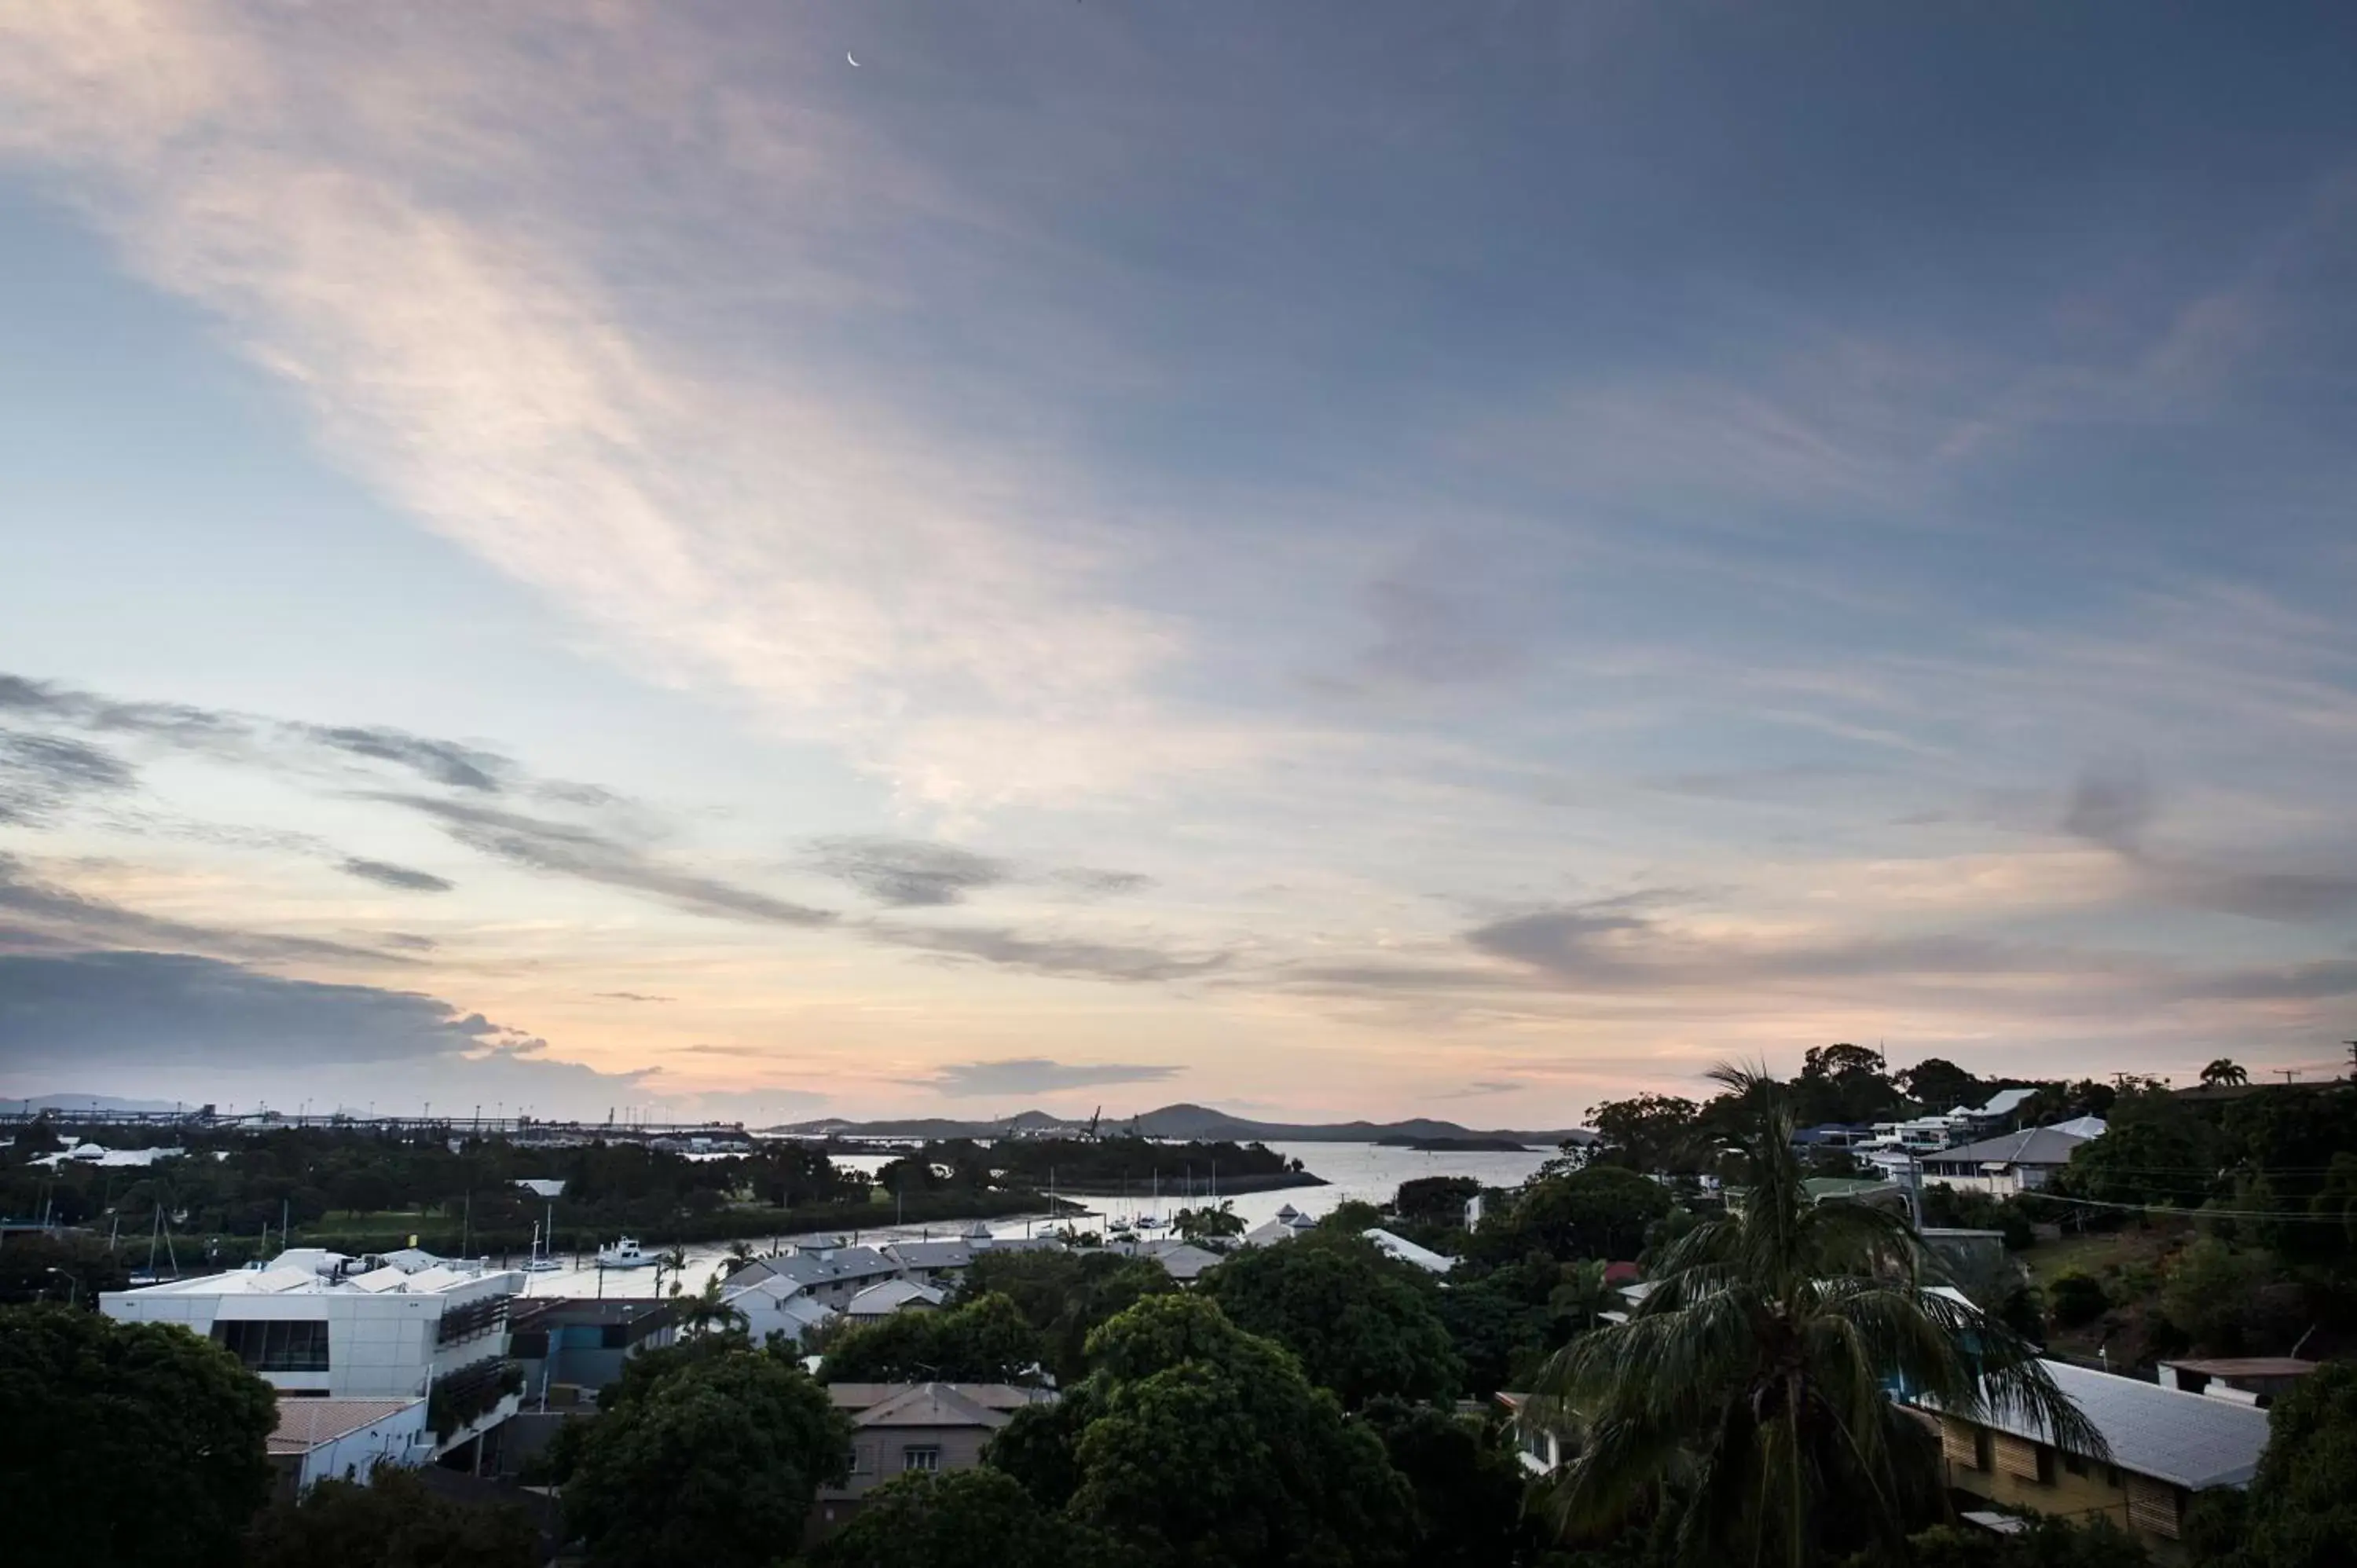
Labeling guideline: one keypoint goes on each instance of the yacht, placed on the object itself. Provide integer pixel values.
(625, 1253)
(539, 1262)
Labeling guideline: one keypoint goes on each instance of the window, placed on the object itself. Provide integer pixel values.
(928, 1459)
(2076, 1464)
(282, 1345)
(614, 1336)
(1981, 1456)
(863, 1459)
(2045, 1466)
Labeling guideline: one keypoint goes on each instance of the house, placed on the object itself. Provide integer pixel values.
(887, 1297)
(773, 1305)
(944, 1262)
(321, 1325)
(1182, 1261)
(2003, 1166)
(2001, 1108)
(897, 1428)
(1289, 1222)
(831, 1272)
(550, 1188)
(565, 1344)
(1538, 1445)
(344, 1440)
(2247, 1379)
(1408, 1252)
(2165, 1445)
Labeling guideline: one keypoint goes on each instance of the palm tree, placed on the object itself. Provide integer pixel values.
(1750, 1396)
(675, 1261)
(740, 1255)
(2225, 1071)
(706, 1310)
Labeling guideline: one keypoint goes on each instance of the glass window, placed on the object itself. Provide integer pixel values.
(297, 1345)
(926, 1458)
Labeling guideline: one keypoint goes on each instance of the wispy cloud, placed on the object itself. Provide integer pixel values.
(568, 849)
(384, 873)
(1069, 958)
(909, 874)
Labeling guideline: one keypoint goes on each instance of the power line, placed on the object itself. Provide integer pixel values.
(2200, 1213)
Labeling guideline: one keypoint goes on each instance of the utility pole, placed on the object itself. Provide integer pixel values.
(2289, 1073)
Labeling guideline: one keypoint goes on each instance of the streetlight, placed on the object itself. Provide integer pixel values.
(73, 1285)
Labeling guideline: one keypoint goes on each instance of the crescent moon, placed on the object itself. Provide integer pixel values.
(847, 54)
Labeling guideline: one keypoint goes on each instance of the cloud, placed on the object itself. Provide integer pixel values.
(154, 1009)
(907, 874)
(1038, 1075)
(1064, 958)
(41, 774)
(41, 914)
(387, 875)
(470, 263)
(1094, 883)
(2111, 804)
(439, 761)
(565, 849)
(638, 996)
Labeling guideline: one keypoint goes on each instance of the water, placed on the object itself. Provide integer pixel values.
(1369, 1173)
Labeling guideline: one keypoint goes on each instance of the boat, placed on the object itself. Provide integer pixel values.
(539, 1262)
(625, 1253)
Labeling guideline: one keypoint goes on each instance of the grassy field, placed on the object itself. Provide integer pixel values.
(2102, 1253)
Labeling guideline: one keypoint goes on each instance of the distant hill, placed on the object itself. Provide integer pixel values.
(1188, 1121)
(100, 1102)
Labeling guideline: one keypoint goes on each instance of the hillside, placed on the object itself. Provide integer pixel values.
(1184, 1121)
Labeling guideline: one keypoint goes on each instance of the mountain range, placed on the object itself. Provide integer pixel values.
(1185, 1122)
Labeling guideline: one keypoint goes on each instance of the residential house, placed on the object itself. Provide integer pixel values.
(2009, 1163)
(2165, 1446)
(2247, 1379)
(774, 1304)
(885, 1297)
(1182, 1261)
(344, 1440)
(1289, 1222)
(1538, 1445)
(320, 1325)
(829, 1271)
(944, 1264)
(897, 1428)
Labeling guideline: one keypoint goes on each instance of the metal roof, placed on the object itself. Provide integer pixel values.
(2186, 1439)
(2032, 1146)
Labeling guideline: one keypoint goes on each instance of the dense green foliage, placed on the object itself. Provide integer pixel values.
(1466, 1481)
(1195, 1443)
(122, 1444)
(712, 1465)
(966, 1519)
(2301, 1509)
(1183, 1170)
(2044, 1543)
(394, 1522)
(1360, 1323)
(985, 1339)
(1064, 1295)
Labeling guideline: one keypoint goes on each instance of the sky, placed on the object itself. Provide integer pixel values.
(1344, 559)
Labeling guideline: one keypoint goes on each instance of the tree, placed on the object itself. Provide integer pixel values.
(130, 1443)
(390, 1521)
(1196, 1444)
(984, 1340)
(1844, 1083)
(2096, 1542)
(1937, 1084)
(713, 1466)
(1752, 1381)
(1467, 1483)
(705, 1311)
(1064, 1295)
(1602, 1211)
(1208, 1224)
(1435, 1200)
(963, 1518)
(1648, 1132)
(2208, 1291)
(2301, 1509)
(2156, 1153)
(1361, 1323)
(2224, 1072)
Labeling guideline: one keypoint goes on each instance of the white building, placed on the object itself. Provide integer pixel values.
(773, 1305)
(2003, 1166)
(344, 1440)
(1408, 1252)
(321, 1325)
